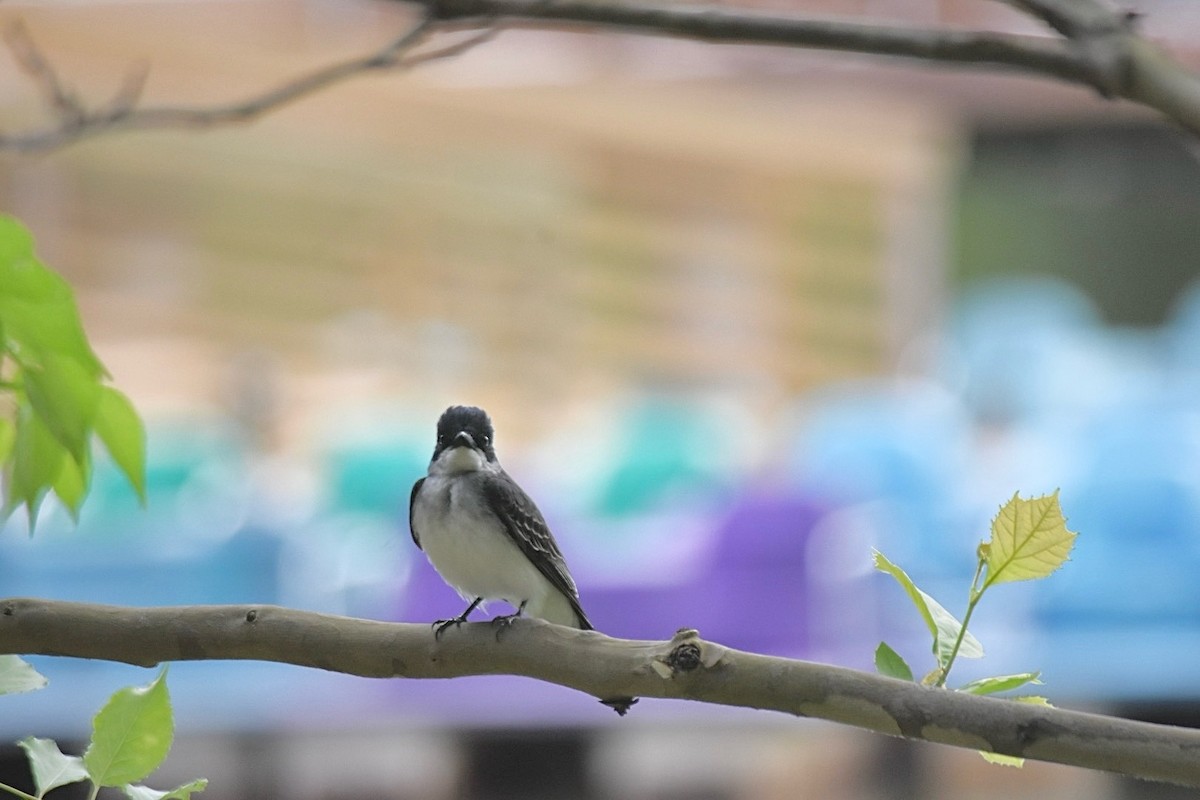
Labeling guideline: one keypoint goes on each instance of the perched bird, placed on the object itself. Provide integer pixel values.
(483, 534)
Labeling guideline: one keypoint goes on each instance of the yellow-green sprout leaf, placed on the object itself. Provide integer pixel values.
(65, 395)
(37, 307)
(888, 662)
(131, 735)
(1002, 760)
(1029, 540)
(1014, 761)
(72, 484)
(51, 769)
(120, 428)
(943, 625)
(8, 437)
(178, 793)
(1000, 683)
(37, 459)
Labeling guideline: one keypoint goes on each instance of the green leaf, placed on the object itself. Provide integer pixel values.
(8, 437)
(120, 428)
(49, 766)
(948, 627)
(1002, 760)
(943, 625)
(71, 485)
(16, 242)
(131, 735)
(178, 793)
(18, 675)
(1029, 540)
(37, 307)
(916, 595)
(37, 462)
(1000, 683)
(65, 396)
(888, 662)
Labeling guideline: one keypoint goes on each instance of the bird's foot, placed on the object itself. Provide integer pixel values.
(439, 627)
(502, 622)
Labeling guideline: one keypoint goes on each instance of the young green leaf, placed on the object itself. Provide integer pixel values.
(1000, 683)
(37, 461)
(1029, 540)
(65, 395)
(1002, 760)
(120, 428)
(18, 675)
(37, 307)
(178, 793)
(49, 766)
(131, 735)
(943, 625)
(71, 485)
(916, 595)
(888, 662)
(8, 437)
(948, 627)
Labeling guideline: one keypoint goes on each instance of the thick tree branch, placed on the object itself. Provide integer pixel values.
(684, 668)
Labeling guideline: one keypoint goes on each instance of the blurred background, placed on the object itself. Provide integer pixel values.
(739, 314)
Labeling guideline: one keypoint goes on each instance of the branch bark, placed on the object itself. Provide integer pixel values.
(1096, 46)
(1099, 46)
(685, 667)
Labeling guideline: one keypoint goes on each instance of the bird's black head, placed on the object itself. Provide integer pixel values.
(465, 426)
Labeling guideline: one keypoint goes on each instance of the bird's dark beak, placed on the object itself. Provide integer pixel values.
(464, 439)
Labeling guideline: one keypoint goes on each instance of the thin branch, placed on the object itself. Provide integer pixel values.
(1076, 18)
(1101, 49)
(31, 61)
(684, 668)
(75, 122)
(1038, 54)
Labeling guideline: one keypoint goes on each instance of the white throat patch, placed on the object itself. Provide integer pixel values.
(456, 460)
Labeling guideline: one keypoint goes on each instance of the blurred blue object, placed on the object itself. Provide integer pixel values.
(241, 569)
(908, 445)
(1019, 346)
(1136, 507)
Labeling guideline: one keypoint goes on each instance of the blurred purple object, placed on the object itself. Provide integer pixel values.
(751, 595)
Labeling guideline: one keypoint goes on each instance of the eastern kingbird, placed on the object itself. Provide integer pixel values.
(483, 534)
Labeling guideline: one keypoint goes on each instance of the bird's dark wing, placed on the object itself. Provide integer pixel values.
(412, 501)
(527, 527)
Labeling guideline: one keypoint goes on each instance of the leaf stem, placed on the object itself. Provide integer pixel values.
(13, 790)
(972, 601)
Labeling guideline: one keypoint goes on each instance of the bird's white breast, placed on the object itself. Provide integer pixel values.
(469, 547)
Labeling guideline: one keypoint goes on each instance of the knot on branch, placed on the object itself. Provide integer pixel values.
(684, 658)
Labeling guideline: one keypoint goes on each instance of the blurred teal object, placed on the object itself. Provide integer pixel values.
(667, 449)
(376, 478)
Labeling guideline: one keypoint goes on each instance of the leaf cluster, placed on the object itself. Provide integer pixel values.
(131, 736)
(54, 392)
(1029, 540)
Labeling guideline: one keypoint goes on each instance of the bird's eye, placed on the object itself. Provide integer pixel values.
(486, 439)
(441, 438)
